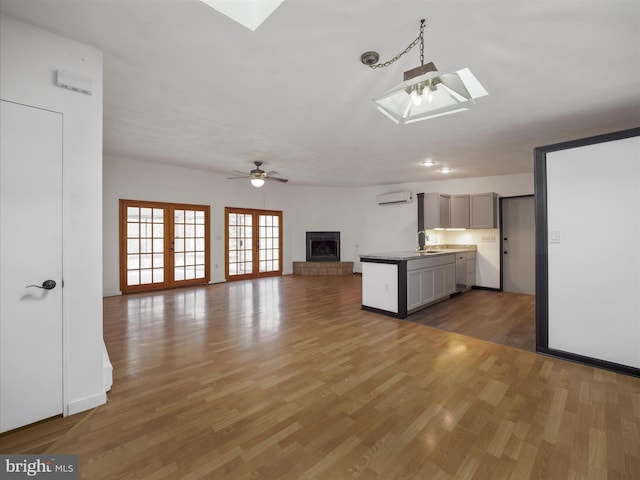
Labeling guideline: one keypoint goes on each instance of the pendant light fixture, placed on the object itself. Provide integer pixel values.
(425, 92)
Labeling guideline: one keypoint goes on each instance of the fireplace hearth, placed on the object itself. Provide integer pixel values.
(323, 246)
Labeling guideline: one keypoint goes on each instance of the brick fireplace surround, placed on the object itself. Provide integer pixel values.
(322, 268)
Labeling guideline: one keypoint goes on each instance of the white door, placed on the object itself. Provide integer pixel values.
(518, 245)
(30, 254)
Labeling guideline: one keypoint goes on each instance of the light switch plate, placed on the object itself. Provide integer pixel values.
(554, 237)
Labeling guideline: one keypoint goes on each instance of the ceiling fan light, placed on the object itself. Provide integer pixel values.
(257, 182)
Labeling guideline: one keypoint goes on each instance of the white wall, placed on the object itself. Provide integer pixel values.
(394, 227)
(29, 58)
(365, 226)
(594, 282)
(138, 180)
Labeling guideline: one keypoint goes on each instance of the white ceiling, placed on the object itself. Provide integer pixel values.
(186, 85)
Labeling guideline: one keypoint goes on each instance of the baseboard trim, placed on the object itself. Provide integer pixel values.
(491, 289)
(86, 403)
(590, 361)
(382, 312)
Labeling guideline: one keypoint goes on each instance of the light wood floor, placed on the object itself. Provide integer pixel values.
(286, 378)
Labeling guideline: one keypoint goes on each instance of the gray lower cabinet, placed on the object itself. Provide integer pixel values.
(430, 279)
(465, 270)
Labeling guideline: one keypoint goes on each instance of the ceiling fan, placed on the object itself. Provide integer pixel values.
(258, 176)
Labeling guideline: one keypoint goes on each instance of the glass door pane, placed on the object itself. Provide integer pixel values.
(254, 243)
(269, 243)
(163, 245)
(240, 243)
(144, 246)
(189, 245)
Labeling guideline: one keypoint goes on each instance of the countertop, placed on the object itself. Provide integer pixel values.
(429, 251)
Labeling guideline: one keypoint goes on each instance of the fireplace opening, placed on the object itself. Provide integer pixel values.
(323, 246)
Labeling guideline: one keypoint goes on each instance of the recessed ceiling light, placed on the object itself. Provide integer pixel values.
(445, 170)
(428, 163)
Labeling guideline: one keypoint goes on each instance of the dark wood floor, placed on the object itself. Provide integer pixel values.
(500, 317)
(286, 378)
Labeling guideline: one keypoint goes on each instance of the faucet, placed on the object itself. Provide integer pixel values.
(420, 246)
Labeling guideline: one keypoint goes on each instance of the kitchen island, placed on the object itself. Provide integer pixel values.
(399, 283)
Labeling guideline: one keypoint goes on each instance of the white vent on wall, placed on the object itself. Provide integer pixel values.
(397, 197)
(73, 81)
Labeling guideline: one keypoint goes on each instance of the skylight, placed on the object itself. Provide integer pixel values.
(248, 13)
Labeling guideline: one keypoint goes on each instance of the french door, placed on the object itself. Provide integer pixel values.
(254, 243)
(163, 245)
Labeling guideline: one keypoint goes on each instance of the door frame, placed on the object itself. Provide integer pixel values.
(255, 247)
(501, 227)
(64, 321)
(168, 252)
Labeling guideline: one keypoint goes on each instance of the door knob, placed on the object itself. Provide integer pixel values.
(46, 285)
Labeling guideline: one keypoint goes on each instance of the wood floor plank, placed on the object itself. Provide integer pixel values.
(287, 378)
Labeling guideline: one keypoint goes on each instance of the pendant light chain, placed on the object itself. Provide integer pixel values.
(420, 39)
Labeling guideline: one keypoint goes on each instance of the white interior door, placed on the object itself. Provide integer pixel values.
(30, 254)
(518, 245)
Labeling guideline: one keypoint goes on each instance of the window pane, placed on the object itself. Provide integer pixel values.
(133, 262)
(178, 259)
(178, 216)
(133, 246)
(158, 275)
(200, 244)
(178, 273)
(200, 217)
(145, 276)
(133, 214)
(189, 231)
(200, 271)
(179, 231)
(189, 258)
(179, 245)
(146, 245)
(133, 277)
(158, 260)
(199, 231)
(133, 230)
(190, 273)
(158, 215)
(189, 216)
(146, 230)
(158, 245)
(200, 258)
(145, 261)
(158, 230)
(145, 215)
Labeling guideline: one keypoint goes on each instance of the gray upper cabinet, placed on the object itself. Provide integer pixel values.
(459, 211)
(437, 210)
(483, 209)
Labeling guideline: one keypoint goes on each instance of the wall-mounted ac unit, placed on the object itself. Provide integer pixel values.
(397, 197)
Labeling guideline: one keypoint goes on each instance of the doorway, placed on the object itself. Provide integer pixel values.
(163, 245)
(517, 230)
(31, 298)
(254, 243)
